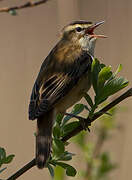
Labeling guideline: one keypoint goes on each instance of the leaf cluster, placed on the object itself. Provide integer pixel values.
(4, 159)
(105, 83)
(59, 153)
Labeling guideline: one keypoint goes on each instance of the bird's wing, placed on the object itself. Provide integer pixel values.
(54, 83)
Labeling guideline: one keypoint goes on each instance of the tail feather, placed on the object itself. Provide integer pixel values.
(44, 138)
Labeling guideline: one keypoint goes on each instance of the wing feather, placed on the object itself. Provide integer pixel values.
(56, 85)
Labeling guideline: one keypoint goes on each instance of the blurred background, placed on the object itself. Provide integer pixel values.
(25, 40)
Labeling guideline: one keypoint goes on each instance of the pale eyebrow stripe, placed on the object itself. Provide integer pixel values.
(72, 27)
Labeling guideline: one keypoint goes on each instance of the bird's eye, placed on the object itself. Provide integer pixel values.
(78, 29)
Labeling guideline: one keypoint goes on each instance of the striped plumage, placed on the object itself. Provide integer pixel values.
(63, 78)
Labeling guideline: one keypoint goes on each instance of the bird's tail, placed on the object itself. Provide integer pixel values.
(44, 138)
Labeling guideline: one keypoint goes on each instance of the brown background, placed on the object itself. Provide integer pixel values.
(25, 40)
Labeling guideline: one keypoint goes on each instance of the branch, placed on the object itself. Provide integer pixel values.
(23, 170)
(26, 5)
(78, 129)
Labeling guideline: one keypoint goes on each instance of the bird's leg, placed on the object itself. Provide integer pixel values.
(82, 121)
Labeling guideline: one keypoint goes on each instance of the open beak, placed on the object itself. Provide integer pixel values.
(90, 30)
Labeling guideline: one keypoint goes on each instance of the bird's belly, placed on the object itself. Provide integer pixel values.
(75, 95)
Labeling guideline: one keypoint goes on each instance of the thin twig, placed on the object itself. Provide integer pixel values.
(78, 129)
(25, 5)
(96, 152)
(23, 170)
(75, 116)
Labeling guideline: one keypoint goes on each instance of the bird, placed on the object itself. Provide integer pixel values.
(64, 77)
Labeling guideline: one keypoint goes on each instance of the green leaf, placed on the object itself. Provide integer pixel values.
(66, 119)
(56, 130)
(111, 88)
(102, 66)
(70, 126)
(9, 158)
(70, 171)
(77, 109)
(66, 156)
(58, 147)
(118, 69)
(2, 153)
(88, 99)
(59, 118)
(96, 67)
(13, 12)
(59, 173)
(103, 76)
(51, 170)
(1, 170)
(2, 156)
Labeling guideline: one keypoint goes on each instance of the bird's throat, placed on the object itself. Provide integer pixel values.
(88, 44)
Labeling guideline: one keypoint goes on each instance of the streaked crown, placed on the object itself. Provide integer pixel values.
(77, 26)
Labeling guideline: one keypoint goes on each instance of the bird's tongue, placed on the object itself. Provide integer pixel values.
(98, 35)
(90, 30)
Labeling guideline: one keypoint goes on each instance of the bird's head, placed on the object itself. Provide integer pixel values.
(82, 33)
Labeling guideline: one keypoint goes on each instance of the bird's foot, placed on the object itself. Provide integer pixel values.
(84, 124)
(83, 121)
